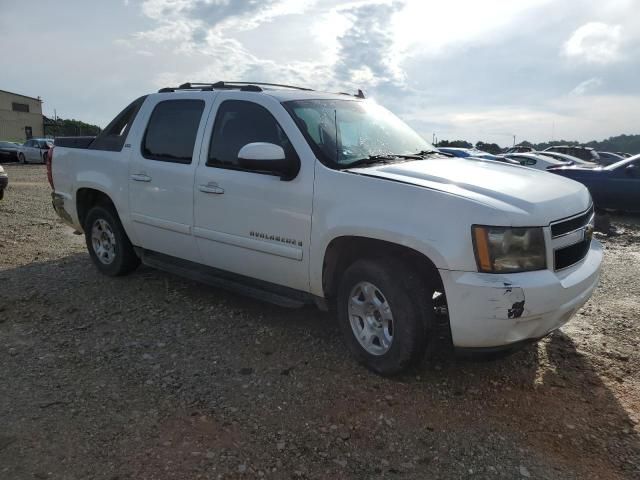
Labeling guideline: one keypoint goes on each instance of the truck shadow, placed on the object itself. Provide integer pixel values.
(553, 397)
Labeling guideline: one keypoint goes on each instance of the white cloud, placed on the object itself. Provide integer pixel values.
(585, 87)
(595, 42)
(459, 68)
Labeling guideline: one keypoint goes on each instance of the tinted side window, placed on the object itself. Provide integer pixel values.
(172, 129)
(112, 138)
(239, 123)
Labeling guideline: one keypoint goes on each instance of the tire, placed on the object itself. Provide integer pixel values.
(403, 337)
(108, 244)
(22, 159)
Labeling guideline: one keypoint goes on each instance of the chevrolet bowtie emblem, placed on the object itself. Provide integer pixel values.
(588, 232)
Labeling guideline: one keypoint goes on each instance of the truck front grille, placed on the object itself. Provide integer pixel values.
(565, 257)
(566, 226)
(571, 239)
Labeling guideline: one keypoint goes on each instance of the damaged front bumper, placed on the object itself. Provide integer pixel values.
(493, 310)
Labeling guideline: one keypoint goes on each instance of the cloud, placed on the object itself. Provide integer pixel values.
(458, 68)
(585, 87)
(365, 47)
(595, 42)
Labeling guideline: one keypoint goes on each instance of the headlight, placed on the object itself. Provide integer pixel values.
(509, 249)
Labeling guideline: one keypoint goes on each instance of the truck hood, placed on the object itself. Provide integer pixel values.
(528, 197)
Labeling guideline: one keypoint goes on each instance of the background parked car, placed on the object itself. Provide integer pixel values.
(615, 187)
(566, 158)
(539, 162)
(35, 150)
(624, 155)
(9, 152)
(4, 181)
(519, 149)
(608, 158)
(585, 153)
(468, 152)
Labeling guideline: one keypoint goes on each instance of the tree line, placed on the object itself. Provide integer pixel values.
(69, 128)
(620, 143)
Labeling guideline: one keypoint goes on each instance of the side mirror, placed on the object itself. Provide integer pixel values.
(631, 170)
(266, 157)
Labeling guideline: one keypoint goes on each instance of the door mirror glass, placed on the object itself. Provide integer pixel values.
(265, 157)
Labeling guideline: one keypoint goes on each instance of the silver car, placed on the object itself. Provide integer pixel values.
(35, 150)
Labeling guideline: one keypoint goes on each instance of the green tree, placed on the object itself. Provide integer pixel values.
(492, 148)
(455, 144)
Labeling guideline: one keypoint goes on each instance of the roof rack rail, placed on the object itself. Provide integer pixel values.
(222, 85)
(265, 84)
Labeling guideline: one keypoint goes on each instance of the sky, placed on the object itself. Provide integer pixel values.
(455, 69)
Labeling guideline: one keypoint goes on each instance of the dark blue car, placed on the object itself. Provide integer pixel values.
(615, 187)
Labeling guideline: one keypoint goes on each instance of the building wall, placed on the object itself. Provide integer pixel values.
(13, 123)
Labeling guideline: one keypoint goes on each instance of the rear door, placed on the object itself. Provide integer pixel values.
(162, 169)
(31, 152)
(247, 222)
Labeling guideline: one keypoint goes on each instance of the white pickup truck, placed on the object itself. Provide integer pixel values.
(296, 196)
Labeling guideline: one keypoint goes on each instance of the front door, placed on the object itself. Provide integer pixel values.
(162, 170)
(248, 222)
(624, 189)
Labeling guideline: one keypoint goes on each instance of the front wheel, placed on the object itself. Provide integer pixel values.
(384, 311)
(108, 243)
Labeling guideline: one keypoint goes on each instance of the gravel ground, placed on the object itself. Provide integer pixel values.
(154, 377)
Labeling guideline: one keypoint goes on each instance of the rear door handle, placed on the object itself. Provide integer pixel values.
(140, 177)
(211, 188)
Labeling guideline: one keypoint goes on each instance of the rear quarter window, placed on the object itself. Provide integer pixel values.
(171, 132)
(112, 138)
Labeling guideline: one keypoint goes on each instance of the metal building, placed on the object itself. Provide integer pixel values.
(20, 116)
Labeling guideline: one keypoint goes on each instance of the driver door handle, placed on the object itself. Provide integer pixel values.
(140, 177)
(211, 188)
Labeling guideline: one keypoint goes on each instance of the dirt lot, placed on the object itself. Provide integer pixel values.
(154, 377)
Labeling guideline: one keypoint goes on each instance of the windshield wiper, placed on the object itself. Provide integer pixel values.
(384, 158)
(424, 153)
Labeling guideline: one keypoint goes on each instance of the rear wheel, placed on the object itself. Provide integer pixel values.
(21, 158)
(384, 310)
(107, 242)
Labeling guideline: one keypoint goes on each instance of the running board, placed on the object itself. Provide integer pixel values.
(251, 287)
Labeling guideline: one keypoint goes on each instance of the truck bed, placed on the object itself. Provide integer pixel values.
(74, 142)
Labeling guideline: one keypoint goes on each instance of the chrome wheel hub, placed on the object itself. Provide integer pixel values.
(103, 241)
(371, 318)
